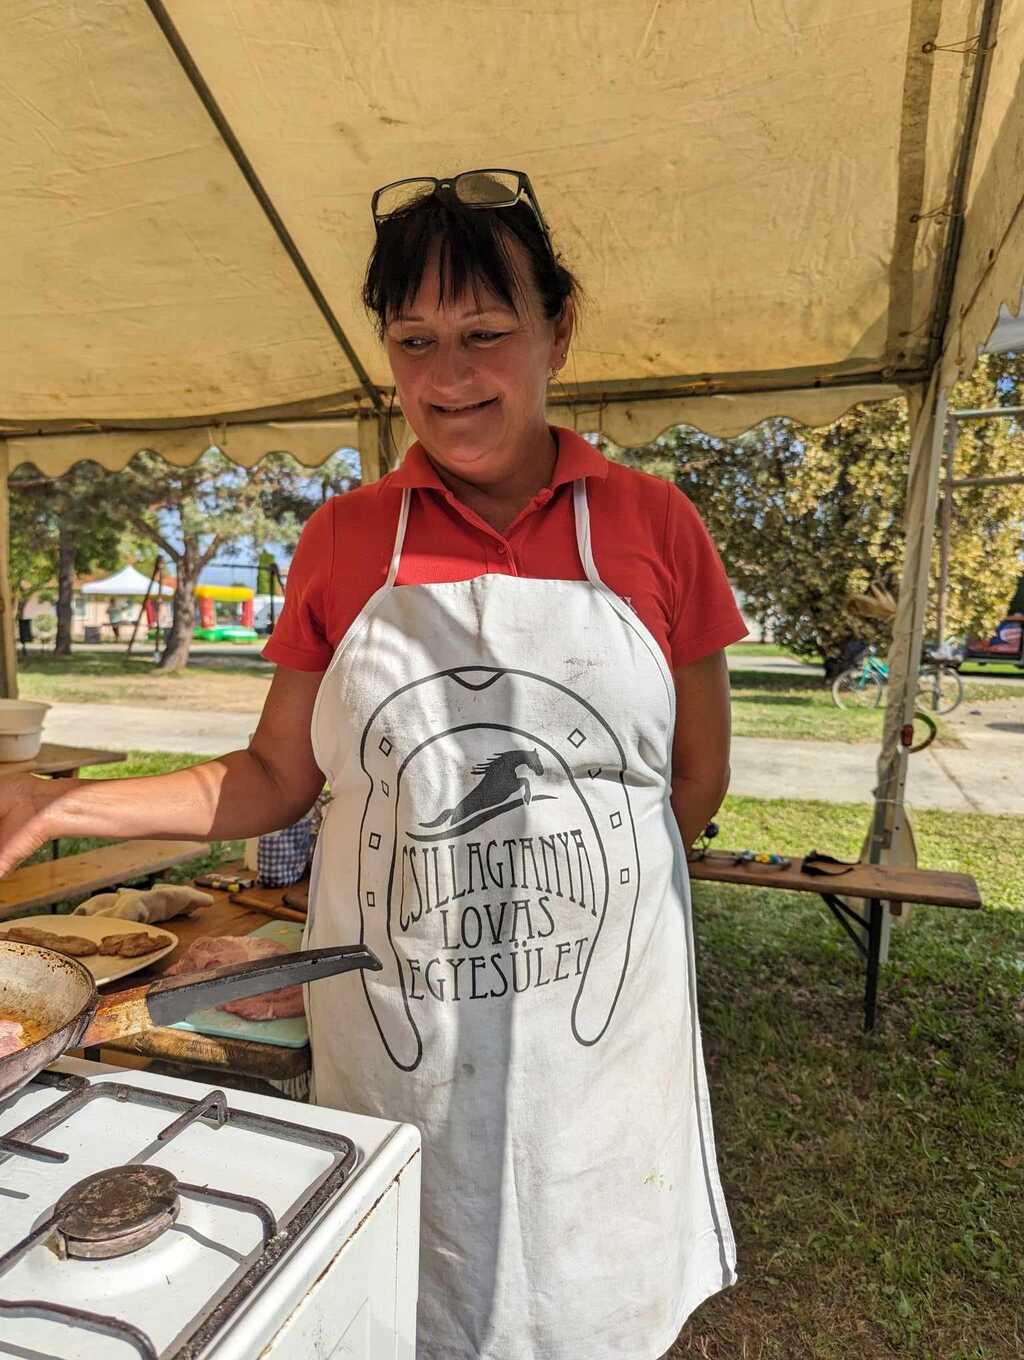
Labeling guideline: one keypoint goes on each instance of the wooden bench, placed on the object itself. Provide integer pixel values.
(36, 886)
(876, 884)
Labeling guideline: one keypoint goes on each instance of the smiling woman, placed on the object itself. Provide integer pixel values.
(509, 624)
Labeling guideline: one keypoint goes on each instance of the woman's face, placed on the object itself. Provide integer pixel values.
(472, 379)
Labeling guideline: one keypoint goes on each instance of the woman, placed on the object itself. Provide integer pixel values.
(484, 653)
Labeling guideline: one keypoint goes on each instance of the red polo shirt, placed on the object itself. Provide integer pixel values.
(649, 546)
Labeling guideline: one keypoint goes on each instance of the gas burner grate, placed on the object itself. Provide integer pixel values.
(11, 1147)
(213, 1109)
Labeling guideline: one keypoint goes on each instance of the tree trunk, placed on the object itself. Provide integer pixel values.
(179, 639)
(65, 583)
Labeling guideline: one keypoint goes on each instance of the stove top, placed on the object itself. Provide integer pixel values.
(142, 1216)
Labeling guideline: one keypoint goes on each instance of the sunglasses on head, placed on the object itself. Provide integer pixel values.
(471, 188)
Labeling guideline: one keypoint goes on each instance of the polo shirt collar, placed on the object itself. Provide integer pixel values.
(576, 458)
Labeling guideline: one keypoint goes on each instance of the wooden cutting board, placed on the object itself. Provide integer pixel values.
(223, 1025)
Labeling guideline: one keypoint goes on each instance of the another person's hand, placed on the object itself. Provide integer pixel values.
(24, 801)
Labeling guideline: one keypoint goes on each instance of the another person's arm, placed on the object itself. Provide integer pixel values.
(245, 793)
(700, 746)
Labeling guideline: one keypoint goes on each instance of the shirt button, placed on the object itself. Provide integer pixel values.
(502, 549)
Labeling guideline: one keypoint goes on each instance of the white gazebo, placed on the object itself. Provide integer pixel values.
(778, 207)
(126, 582)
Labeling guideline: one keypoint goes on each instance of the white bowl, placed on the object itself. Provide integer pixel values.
(21, 728)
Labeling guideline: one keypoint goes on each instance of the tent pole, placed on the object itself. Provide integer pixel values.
(890, 840)
(142, 606)
(952, 433)
(8, 657)
(376, 442)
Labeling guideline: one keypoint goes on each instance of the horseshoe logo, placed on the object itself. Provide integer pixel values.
(479, 760)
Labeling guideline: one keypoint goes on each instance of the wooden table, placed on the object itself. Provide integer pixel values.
(33, 887)
(875, 884)
(245, 1057)
(61, 761)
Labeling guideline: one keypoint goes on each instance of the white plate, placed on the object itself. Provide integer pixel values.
(104, 968)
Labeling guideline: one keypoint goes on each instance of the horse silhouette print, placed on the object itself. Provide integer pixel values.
(500, 789)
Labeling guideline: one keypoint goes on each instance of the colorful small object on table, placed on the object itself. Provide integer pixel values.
(229, 883)
(702, 850)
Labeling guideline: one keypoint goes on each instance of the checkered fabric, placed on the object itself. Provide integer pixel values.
(283, 857)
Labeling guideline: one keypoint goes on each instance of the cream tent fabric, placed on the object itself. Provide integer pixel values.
(752, 193)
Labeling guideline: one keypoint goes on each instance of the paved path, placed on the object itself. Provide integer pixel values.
(981, 778)
(985, 776)
(119, 728)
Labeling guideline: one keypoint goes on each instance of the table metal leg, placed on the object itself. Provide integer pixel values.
(867, 928)
(877, 911)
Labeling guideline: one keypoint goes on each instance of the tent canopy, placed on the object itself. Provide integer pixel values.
(127, 581)
(775, 207)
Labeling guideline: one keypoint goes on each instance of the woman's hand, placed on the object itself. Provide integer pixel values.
(24, 801)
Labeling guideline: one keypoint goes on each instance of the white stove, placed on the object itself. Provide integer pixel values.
(151, 1217)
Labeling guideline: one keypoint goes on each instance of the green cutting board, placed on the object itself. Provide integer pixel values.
(223, 1025)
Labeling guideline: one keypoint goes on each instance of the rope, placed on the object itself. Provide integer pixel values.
(970, 47)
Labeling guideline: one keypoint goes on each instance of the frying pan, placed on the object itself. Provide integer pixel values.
(58, 994)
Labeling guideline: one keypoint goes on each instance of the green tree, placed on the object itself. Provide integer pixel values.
(807, 518)
(292, 492)
(31, 555)
(191, 514)
(69, 521)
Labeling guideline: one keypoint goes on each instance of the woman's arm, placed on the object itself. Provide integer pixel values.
(700, 748)
(245, 793)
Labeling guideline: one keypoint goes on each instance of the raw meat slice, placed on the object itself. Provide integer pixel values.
(218, 951)
(10, 1037)
(284, 1004)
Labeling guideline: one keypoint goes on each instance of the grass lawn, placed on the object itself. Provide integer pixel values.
(968, 671)
(224, 683)
(875, 1183)
(758, 649)
(800, 708)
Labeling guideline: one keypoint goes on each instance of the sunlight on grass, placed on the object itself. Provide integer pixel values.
(874, 1182)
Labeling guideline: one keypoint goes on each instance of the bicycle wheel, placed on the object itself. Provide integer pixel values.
(857, 689)
(930, 730)
(939, 689)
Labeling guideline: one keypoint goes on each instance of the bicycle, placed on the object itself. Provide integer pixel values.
(939, 686)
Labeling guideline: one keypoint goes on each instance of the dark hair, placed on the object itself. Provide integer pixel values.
(473, 250)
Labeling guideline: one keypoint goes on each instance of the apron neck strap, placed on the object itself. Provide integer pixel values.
(581, 514)
(581, 510)
(396, 552)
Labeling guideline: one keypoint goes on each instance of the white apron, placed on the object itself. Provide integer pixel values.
(501, 836)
